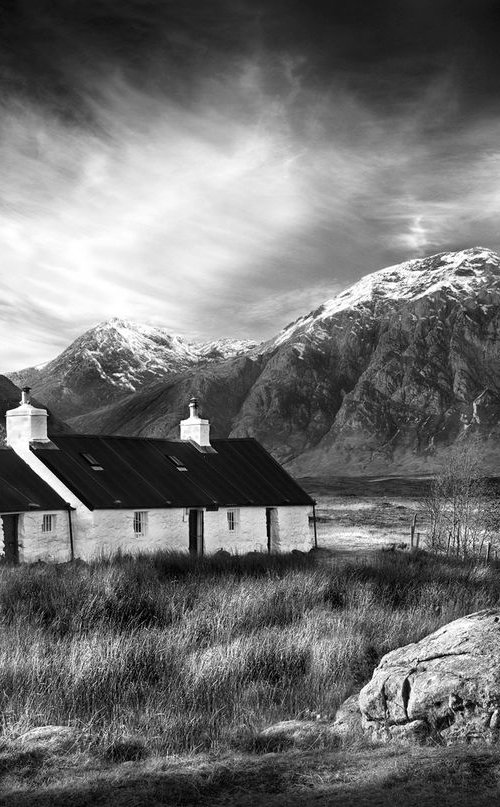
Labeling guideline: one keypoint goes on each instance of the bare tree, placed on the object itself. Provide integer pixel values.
(462, 509)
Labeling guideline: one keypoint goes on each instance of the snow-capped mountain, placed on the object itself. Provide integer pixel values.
(382, 378)
(458, 274)
(116, 358)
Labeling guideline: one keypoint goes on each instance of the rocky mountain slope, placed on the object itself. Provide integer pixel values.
(381, 379)
(114, 359)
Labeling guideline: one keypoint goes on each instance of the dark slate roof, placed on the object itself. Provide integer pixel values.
(21, 489)
(139, 473)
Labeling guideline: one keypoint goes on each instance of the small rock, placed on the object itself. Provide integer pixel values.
(348, 717)
(415, 733)
(296, 733)
(47, 738)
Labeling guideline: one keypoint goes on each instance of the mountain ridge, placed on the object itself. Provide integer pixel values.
(115, 358)
(384, 377)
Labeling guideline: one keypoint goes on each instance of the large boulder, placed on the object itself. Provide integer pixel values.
(445, 687)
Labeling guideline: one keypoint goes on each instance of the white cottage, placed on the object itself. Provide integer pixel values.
(35, 522)
(143, 494)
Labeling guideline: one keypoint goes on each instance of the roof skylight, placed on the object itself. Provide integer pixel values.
(94, 464)
(177, 462)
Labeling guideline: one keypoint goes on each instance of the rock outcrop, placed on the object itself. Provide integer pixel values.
(445, 687)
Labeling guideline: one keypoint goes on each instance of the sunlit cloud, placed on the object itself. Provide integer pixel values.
(234, 207)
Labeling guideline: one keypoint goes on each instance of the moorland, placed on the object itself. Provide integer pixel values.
(169, 668)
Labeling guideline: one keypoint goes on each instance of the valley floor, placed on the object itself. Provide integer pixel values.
(361, 514)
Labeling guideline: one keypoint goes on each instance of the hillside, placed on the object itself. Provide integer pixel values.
(381, 378)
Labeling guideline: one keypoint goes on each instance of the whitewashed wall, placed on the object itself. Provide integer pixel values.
(105, 532)
(33, 544)
(47, 546)
(295, 532)
(113, 530)
(250, 534)
(110, 531)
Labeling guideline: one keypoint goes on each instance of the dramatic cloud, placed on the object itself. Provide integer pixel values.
(219, 169)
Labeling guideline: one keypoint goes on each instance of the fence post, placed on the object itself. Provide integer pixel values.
(417, 543)
(448, 545)
(488, 551)
(412, 530)
(314, 524)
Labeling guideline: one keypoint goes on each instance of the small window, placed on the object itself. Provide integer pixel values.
(177, 462)
(140, 522)
(232, 520)
(48, 523)
(94, 464)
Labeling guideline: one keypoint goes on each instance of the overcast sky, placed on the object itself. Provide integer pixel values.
(219, 168)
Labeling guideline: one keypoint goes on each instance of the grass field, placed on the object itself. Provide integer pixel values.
(170, 666)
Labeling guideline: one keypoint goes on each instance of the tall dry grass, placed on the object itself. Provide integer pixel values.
(186, 655)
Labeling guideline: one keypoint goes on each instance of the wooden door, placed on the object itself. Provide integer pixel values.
(272, 529)
(10, 538)
(268, 527)
(196, 532)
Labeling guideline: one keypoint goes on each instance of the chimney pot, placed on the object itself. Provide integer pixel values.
(194, 427)
(25, 424)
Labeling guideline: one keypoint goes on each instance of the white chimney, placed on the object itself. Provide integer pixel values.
(194, 427)
(25, 424)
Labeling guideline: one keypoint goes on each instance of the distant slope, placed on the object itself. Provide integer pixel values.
(155, 411)
(380, 379)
